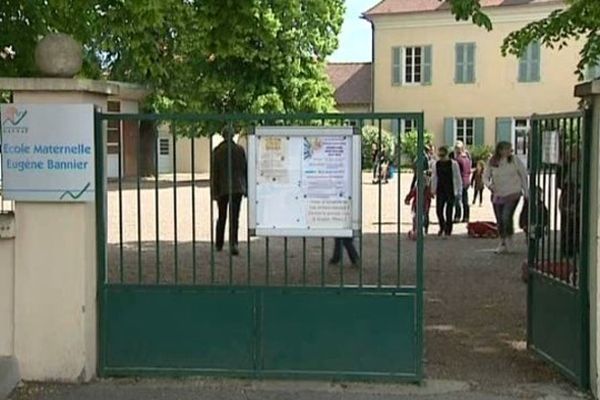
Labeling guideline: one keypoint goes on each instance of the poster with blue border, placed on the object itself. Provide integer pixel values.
(47, 152)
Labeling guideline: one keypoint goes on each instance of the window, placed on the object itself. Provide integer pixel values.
(113, 129)
(520, 134)
(470, 131)
(529, 64)
(411, 65)
(465, 131)
(164, 146)
(408, 125)
(465, 63)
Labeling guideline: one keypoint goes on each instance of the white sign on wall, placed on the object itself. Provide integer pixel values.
(304, 181)
(47, 152)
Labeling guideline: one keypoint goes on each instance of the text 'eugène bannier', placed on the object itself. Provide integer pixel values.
(15, 160)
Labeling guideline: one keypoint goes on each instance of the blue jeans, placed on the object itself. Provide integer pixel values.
(505, 216)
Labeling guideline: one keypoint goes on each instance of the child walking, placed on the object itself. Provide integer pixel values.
(477, 182)
(412, 199)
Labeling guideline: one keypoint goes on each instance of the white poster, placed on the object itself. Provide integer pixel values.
(550, 147)
(304, 181)
(47, 152)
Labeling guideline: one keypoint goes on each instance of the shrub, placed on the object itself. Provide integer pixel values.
(481, 153)
(370, 136)
(409, 143)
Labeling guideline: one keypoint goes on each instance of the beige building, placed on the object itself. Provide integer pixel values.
(424, 60)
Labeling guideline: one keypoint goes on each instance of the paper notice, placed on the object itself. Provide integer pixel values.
(272, 160)
(329, 214)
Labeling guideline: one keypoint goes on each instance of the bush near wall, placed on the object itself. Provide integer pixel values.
(481, 153)
(370, 136)
(409, 145)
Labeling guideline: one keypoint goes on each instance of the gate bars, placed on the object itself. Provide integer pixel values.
(160, 227)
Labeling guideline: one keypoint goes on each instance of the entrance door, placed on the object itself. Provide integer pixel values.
(558, 309)
(165, 161)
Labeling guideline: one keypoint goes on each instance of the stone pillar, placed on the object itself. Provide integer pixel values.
(55, 278)
(590, 94)
(52, 319)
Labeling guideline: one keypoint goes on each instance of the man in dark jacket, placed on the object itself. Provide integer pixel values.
(228, 180)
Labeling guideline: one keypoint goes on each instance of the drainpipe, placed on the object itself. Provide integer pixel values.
(366, 18)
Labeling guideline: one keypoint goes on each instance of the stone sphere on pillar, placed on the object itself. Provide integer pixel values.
(58, 55)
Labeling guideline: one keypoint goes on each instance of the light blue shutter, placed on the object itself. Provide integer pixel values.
(535, 67)
(396, 66)
(470, 72)
(503, 130)
(524, 65)
(479, 132)
(449, 131)
(459, 76)
(427, 65)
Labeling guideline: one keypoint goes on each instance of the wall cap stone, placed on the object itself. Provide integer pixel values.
(588, 89)
(122, 90)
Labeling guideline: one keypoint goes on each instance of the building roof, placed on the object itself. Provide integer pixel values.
(417, 6)
(352, 82)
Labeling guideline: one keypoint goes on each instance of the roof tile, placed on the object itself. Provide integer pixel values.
(352, 82)
(414, 6)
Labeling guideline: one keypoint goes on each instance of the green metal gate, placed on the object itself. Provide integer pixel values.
(170, 304)
(558, 301)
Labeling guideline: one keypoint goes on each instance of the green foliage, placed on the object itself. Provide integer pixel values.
(370, 137)
(409, 144)
(465, 10)
(578, 20)
(212, 56)
(480, 153)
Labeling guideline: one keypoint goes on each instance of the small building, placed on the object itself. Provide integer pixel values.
(453, 71)
(353, 86)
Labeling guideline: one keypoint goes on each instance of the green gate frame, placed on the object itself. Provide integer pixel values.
(341, 332)
(558, 303)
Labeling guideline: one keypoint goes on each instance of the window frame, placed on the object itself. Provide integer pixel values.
(464, 137)
(515, 129)
(403, 126)
(112, 147)
(413, 66)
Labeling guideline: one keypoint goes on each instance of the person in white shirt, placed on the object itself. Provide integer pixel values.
(506, 177)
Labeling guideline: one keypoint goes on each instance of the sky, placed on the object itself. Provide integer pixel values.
(355, 39)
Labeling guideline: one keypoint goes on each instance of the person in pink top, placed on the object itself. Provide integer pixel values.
(463, 158)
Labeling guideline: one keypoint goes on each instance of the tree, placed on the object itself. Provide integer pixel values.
(211, 56)
(580, 19)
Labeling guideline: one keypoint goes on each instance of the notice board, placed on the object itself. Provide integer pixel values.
(304, 181)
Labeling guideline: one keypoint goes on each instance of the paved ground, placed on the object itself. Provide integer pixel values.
(475, 301)
(194, 389)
